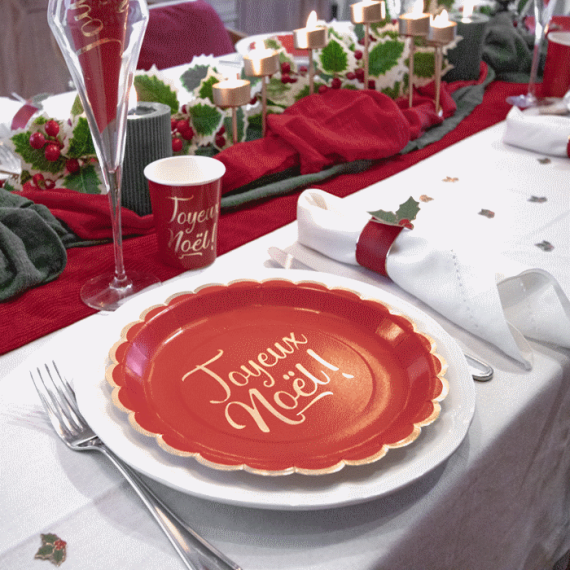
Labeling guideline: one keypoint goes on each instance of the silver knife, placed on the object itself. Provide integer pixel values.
(481, 371)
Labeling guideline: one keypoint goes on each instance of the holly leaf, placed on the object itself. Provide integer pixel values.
(86, 180)
(384, 56)
(275, 87)
(193, 76)
(403, 216)
(408, 210)
(206, 118)
(333, 57)
(205, 90)
(151, 88)
(77, 107)
(81, 143)
(424, 64)
(36, 157)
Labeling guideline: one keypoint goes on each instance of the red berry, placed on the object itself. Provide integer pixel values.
(49, 184)
(72, 165)
(59, 544)
(359, 72)
(323, 89)
(2, 183)
(38, 180)
(184, 109)
(183, 125)
(371, 84)
(285, 67)
(336, 83)
(358, 54)
(351, 75)
(173, 123)
(188, 134)
(52, 152)
(285, 78)
(52, 128)
(293, 79)
(177, 144)
(37, 140)
(220, 141)
(303, 69)
(361, 41)
(253, 100)
(222, 131)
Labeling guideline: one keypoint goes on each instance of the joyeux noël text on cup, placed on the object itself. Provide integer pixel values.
(189, 238)
(286, 399)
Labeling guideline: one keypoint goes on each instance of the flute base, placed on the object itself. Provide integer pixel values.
(523, 101)
(106, 293)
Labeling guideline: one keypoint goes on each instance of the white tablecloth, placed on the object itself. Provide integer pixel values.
(502, 500)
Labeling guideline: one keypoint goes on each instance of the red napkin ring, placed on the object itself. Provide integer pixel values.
(374, 245)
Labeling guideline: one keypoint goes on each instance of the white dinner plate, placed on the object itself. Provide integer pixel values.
(86, 362)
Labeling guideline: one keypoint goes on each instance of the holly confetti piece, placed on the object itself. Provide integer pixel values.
(425, 198)
(450, 179)
(52, 549)
(538, 199)
(545, 245)
(404, 216)
(487, 213)
(544, 160)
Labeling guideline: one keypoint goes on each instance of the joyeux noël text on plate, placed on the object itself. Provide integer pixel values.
(288, 405)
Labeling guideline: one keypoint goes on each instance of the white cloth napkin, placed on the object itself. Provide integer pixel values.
(461, 287)
(545, 134)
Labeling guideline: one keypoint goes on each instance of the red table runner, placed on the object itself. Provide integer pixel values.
(55, 305)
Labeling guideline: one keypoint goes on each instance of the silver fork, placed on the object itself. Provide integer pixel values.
(9, 162)
(60, 403)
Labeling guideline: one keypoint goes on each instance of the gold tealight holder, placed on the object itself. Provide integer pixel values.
(367, 12)
(232, 93)
(310, 38)
(442, 32)
(261, 62)
(413, 24)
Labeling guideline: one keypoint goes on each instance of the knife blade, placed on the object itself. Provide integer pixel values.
(480, 371)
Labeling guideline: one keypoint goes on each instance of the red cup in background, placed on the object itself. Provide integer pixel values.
(556, 78)
(185, 197)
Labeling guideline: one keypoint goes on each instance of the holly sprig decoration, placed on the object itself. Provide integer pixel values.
(53, 549)
(57, 154)
(403, 216)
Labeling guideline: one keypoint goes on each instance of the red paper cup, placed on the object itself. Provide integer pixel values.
(185, 198)
(556, 79)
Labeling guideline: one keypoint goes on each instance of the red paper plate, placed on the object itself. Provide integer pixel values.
(277, 377)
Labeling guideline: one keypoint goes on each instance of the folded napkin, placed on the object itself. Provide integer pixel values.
(32, 245)
(334, 127)
(464, 290)
(87, 215)
(508, 48)
(545, 134)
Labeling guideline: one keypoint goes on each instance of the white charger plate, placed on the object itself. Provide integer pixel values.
(87, 361)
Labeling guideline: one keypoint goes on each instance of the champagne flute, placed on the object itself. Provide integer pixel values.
(543, 10)
(100, 41)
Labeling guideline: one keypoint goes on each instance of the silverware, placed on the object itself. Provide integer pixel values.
(58, 398)
(480, 371)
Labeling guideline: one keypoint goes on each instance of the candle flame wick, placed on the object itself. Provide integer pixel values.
(312, 20)
(418, 8)
(468, 10)
(441, 20)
